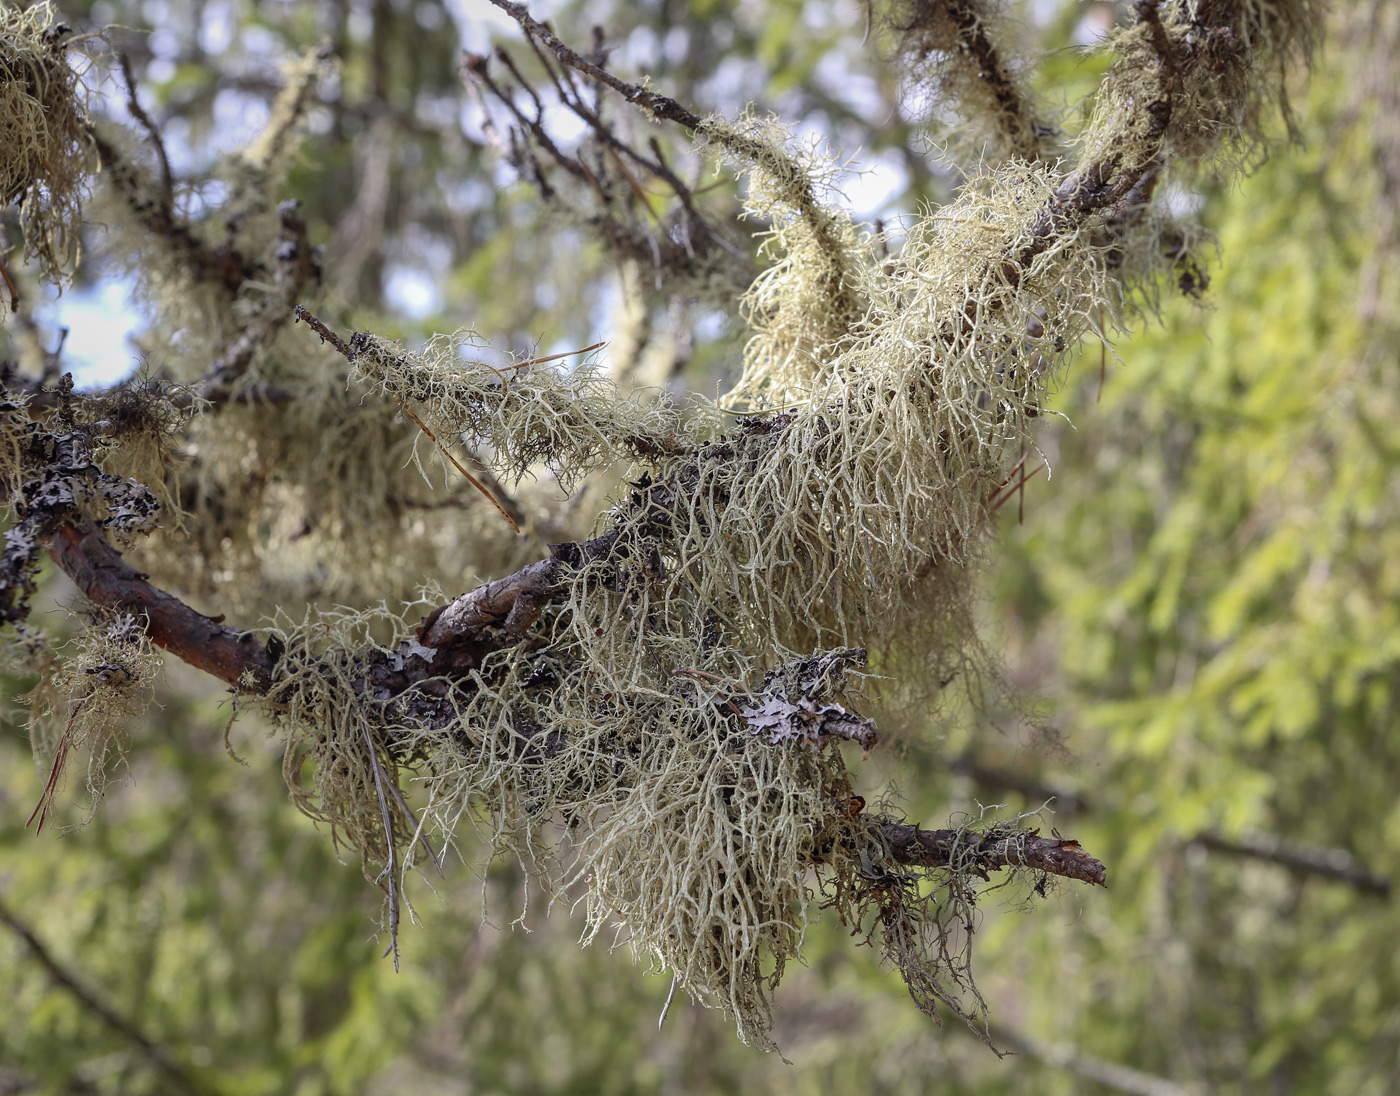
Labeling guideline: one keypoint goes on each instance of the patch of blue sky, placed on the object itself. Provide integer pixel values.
(101, 322)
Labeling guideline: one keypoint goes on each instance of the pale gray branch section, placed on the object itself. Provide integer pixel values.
(1330, 863)
(1119, 1078)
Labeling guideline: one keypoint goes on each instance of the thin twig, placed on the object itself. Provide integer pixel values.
(1003, 497)
(167, 184)
(391, 867)
(476, 72)
(60, 759)
(9, 285)
(660, 106)
(458, 465)
(300, 313)
(555, 357)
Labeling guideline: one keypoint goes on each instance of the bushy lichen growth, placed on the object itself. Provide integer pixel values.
(679, 820)
(803, 306)
(46, 150)
(291, 488)
(1215, 120)
(962, 71)
(319, 696)
(86, 702)
(570, 420)
(143, 422)
(883, 409)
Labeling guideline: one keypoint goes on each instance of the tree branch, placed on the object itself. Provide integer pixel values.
(133, 104)
(152, 1051)
(1329, 863)
(1120, 1078)
(659, 106)
(949, 40)
(224, 266)
(454, 639)
(1015, 120)
(1320, 860)
(233, 656)
(994, 849)
(296, 266)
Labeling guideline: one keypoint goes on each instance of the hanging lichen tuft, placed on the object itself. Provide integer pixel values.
(85, 703)
(46, 151)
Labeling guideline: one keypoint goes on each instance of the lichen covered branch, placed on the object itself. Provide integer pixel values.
(953, 52)
(222, 266)
(235, 657)
(296, 266)
(993, 849)
(673, 685)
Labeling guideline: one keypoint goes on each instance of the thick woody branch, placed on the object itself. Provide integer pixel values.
(233, 656)
(993, 850)
(456, 637)
(1329, 863)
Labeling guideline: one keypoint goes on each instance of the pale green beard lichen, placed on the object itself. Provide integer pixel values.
(46, 153)
(1217, 121)
(677, 820)
(570, 421)
(85, 703)
(804, 305)
(963, 74)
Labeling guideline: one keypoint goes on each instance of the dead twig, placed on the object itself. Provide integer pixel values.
(167, 183)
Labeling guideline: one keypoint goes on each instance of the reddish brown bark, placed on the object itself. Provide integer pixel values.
(233, 656)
